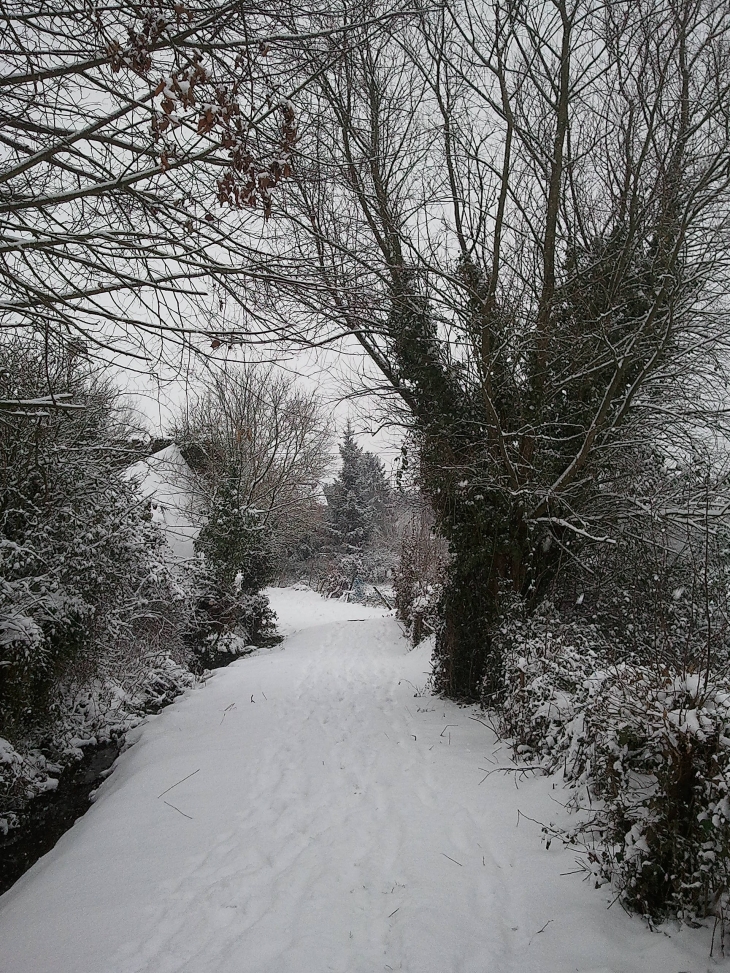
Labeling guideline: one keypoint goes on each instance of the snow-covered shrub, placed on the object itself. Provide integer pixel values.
(22, 775)
(92, 621)
(302, 549)
(86, 712)
(225, 620)
(417, 579)
(341, 576)
(77, 554)
(648, 743)
(87, 585)
(117, 698)
(550, 674)
(656, 750)
(349, 576)
(135, 664)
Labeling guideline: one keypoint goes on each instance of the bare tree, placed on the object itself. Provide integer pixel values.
(139, 143)
(520, 212)
(251, 429)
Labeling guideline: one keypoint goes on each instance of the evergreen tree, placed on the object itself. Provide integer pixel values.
(357, 500)
(237, 562)
(235, 543)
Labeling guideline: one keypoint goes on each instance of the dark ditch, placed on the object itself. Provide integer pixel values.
(49, 815)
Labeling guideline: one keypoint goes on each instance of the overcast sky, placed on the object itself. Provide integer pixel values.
(332, 374)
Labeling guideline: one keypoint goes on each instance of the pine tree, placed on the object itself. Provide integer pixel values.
(358, 498)
(235, 544)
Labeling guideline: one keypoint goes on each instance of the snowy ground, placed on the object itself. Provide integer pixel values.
(331, 820)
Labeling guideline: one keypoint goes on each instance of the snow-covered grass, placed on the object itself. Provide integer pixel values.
(313, 808)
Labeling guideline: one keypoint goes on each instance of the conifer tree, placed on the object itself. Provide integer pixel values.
(235, 542)
(357, 498)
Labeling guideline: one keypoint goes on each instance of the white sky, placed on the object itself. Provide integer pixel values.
(330, 374)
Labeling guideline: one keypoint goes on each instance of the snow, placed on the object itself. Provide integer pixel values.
(313, 809)
(166, 480)
(8, 754)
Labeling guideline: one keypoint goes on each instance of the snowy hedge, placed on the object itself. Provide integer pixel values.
(91, 619)
(646, 746)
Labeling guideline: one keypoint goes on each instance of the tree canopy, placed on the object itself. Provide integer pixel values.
(520, 213)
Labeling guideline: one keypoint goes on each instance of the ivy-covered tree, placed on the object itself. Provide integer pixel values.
(528, 240)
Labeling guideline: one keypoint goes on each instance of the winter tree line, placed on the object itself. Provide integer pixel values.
(517, 213)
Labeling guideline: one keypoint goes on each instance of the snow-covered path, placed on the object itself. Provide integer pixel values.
(334, 821)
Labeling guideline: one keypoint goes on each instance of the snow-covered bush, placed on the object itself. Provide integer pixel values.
(349, 575)
(22, 775)
(76, 551)
(550, 670)
(418, 577)
(656, 750)
(648, 744)
(227, 623)
(86, 712)
(117, 697)
(91, 619)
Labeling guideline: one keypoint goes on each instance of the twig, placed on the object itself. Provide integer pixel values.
(477, 720)
(383, 599)
(393, 913)
(178, 810)
(521, 814)
(179, 782)
(510, 770)
(452, 859)
(418, 691)
(446, 728)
